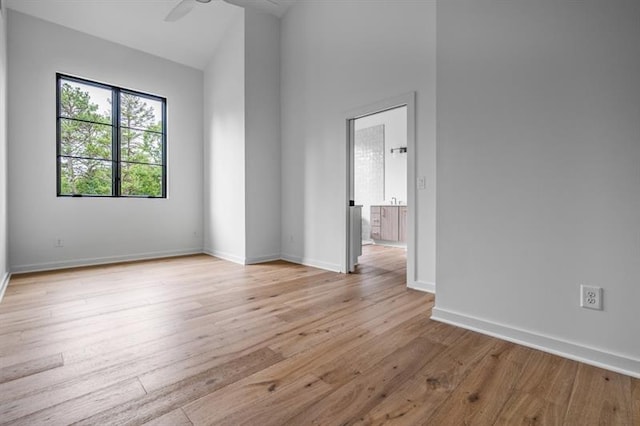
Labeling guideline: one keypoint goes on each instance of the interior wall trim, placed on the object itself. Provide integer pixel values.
(423, 286)
(225, 256)
(64, 264)
(571, 350)
(4, 284)
(333, 267)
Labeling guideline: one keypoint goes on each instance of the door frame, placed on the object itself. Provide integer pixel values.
(408, 100)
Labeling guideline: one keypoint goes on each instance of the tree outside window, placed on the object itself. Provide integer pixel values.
(111, 141)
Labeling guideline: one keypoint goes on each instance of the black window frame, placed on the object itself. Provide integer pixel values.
(116, 161)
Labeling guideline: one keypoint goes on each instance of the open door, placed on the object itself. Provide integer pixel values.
(354, 213)
(355, 231)
(374, 150)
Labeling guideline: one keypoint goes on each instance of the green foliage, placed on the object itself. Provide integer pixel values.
(86, 139)
(87, 134)
(139, 143)
(141, 179)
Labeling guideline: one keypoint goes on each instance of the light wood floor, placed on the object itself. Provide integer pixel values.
(197, 340)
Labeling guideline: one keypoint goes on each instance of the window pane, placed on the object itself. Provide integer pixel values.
(81, 139)
(86, 177)
(85, 102)
(141, 113)
(139, 146)
(141, 180)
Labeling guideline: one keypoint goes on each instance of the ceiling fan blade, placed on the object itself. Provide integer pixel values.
(181, 9)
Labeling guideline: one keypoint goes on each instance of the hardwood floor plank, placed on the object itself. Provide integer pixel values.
(28, 368)
(244, 394)
(164, 400)
(16, 320)
(354, 289)
(635, 401)
(276, 408)
(113, 334)
(548, 376)
(75, 409)
(89, 343)
(173, 418)
(195, 338)
(357, 397)
(527, 409)
(542, 391)
(600, 397)
(101, 360)
(419, 397)
(444, 334)
(399, 309)
(75, 379)
(295, 338)
(479, 398)
(307, 335)
(354, 363)
(55, 329)
(193, 362)
(39, 323)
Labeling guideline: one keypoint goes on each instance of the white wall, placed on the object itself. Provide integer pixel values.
(242, 142)
(224, 147)
(538, 176)
(95, 230)
(395, 165)
(262, 151)
(336, 57)
(4, 266)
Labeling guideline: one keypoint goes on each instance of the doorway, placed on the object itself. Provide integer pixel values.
(380, 216)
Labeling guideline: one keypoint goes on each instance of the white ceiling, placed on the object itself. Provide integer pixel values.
(140, 24)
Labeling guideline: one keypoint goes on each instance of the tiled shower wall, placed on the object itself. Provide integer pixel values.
(369, 172)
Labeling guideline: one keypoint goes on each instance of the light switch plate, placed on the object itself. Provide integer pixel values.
(422, 182)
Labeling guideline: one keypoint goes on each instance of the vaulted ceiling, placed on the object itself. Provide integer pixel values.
(140, 24)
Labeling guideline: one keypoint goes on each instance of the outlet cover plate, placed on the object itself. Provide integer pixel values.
(591, 297)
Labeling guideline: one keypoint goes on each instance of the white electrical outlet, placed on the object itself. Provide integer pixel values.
(591, 297)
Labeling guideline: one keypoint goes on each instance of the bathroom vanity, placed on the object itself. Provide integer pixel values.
(389, 223)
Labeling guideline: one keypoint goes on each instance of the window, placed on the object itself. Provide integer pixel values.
(111, 142)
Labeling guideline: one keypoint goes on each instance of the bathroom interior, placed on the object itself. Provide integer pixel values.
(380, 176)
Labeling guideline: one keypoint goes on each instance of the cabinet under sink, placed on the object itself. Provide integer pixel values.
(388, 223)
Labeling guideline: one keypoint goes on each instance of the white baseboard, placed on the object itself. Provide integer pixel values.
(386, 243)
(225, 256)
(334, 267)
(262, 259)
(270, 258)
(599, 358)
(423, 286)
(4, 284)
(50, 266)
